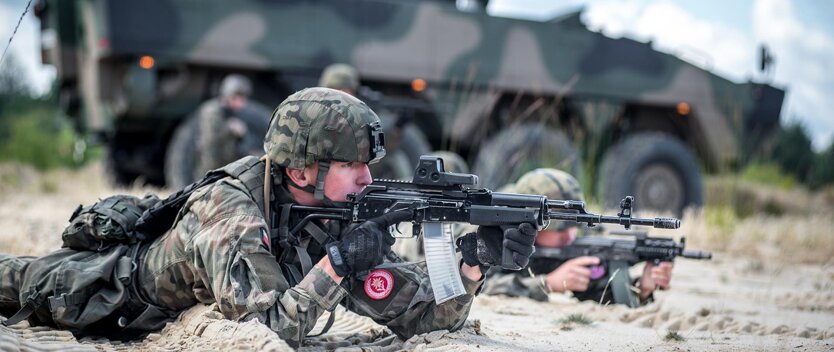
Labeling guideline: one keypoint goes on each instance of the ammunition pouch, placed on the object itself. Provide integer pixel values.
(107, 222)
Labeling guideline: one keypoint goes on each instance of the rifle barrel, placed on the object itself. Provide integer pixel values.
(661, 223)
(695, 254)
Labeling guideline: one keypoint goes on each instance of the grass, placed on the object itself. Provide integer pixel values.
(576, 318)
(674, 336)
(763, 222)
(769, 175)
(35, 134)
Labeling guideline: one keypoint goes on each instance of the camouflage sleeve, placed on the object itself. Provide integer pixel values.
(407, 307)
(213, 139)
(515, 284)
(244, 277)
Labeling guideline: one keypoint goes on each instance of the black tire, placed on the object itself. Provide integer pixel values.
(181, 156)
(513, 152)
(657, 169)
(114, 171)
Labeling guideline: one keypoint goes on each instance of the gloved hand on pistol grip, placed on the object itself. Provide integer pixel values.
(486, 247)
(366, 246)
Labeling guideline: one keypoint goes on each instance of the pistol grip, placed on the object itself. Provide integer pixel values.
(507, 261)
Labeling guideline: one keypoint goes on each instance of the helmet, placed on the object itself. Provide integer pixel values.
(339, 76)
(235, 84)
(553, 184)
(323, 125)
(452, 162)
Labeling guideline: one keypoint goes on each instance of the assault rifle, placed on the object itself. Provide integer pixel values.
(616, 256)
(437, 198)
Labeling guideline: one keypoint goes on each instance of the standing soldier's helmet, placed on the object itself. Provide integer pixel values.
(235, 84)
(553, 184)
(340, 76)
(323, 125)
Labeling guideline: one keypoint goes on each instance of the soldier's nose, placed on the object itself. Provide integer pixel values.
(364, 178)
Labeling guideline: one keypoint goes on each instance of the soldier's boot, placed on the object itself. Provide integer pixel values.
(12, 269)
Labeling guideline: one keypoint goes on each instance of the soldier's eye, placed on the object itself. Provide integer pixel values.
(348, 165)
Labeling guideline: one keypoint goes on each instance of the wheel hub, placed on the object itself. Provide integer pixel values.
(659, 187)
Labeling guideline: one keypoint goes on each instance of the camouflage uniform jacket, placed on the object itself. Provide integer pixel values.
(530, 282)
(216, 253)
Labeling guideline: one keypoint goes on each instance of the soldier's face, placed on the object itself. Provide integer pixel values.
(236, 102)
(556, 238)
(344, 178)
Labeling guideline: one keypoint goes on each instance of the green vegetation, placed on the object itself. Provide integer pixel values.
(673, 336)
(576, 318)
(823, 172)
(792, 150)
(33, 132)
(723, 218)
(791, 153)
(768, 174)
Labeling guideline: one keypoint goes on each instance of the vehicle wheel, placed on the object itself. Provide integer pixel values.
(657, 169)
(513, 152)
(114, 171)
(181, 156)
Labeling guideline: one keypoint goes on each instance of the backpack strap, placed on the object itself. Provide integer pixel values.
(160, 217)
(33, 302)
(250, 171)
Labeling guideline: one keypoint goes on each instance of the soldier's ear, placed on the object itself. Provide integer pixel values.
(299, 177)
(305, 177)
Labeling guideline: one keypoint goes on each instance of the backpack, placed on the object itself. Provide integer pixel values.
(85, 287)
(109, 221)
(126, 219)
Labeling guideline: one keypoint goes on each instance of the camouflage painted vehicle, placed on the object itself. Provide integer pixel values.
(509, 95)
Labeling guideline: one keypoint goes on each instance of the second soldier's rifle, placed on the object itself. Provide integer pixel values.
(616, 256)
(437, 198)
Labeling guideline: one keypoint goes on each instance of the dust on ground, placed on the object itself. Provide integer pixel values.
(770, 297)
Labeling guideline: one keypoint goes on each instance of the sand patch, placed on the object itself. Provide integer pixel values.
(768, 288)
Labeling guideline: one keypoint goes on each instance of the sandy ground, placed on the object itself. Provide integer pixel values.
(731, 303)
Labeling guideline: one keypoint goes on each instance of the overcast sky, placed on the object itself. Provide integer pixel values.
(716, 34)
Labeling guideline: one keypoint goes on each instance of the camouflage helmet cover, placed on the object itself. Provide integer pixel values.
(235, 84)
(339, 76)
(553, 184)
(322, 124)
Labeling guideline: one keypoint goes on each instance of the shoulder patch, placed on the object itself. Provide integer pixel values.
(265, 239)
(379, 284)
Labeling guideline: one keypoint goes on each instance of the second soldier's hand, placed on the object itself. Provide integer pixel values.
(573, 275)
(655, 276)
(237, 127)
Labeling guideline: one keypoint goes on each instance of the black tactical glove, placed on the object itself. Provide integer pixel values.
(365, 246)
(486, 247)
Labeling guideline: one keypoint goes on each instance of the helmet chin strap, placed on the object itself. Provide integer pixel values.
(324, 167)
(318, 190)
